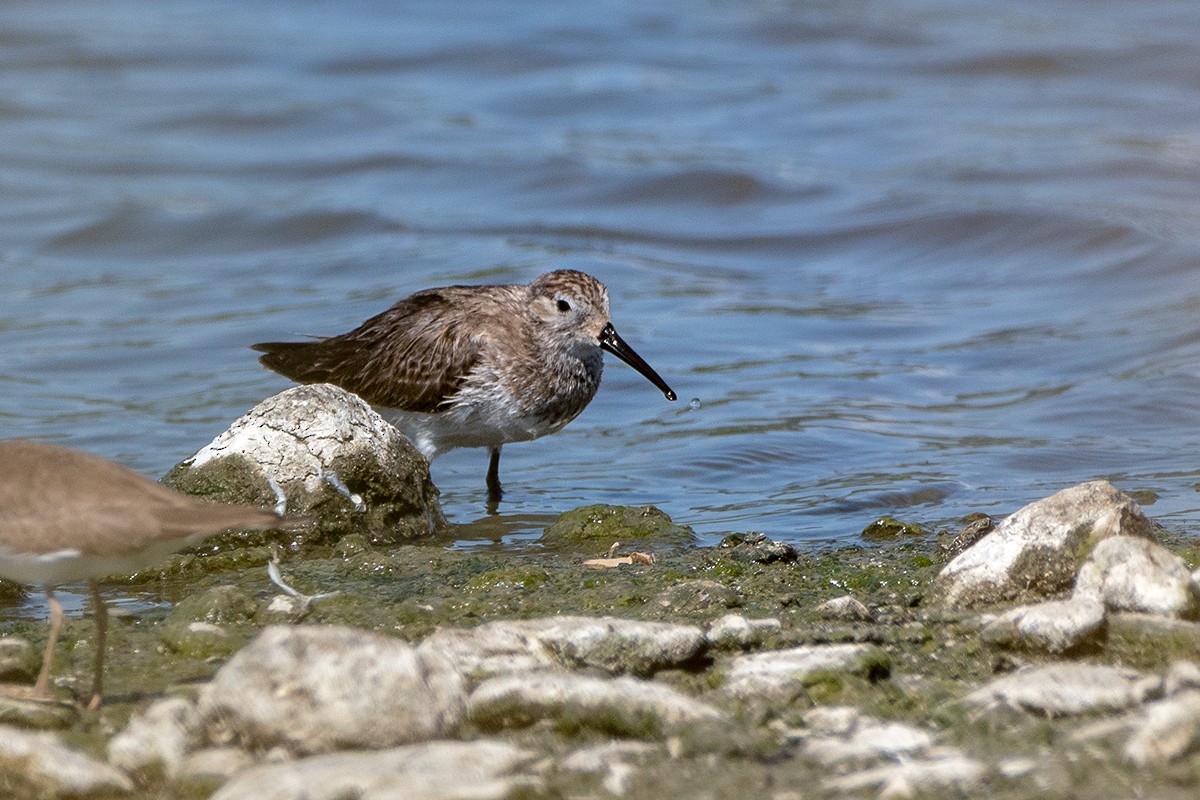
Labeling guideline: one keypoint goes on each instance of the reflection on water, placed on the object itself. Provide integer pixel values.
(911, 259)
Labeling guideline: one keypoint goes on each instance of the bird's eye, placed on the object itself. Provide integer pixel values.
(564, 306)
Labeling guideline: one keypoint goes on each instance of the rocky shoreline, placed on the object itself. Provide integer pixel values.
(1056, 653)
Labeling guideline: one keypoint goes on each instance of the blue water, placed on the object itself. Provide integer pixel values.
(912, 258)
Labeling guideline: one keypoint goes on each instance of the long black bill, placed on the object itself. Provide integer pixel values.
(610, 341)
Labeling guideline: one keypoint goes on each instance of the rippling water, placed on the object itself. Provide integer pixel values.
(917, 258)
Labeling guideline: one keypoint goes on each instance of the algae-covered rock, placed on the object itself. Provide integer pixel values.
(316, 688)
(1061, 689)
(19, 660)
(757, 548)
(601, 525)
(159, 736)
(621, 706)
(1055, 626)
(697, 595)
(780, 674)
(225, 603)
(1130, 574)
(615, 645)
(320, 452)
(45, 767)
(886, 528)
(483, 770)
(735, 631)
(1035, 552)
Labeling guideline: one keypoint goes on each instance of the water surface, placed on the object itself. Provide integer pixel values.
(912, 258)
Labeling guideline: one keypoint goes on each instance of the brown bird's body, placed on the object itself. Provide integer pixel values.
(67, 516)
(474, 366)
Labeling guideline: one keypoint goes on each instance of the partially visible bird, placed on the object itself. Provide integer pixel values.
(474, 366)
(68, 517)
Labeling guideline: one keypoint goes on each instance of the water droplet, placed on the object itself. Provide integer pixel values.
(694, 404)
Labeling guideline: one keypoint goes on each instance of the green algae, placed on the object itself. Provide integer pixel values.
(603, 525)
(886, 528)
(924, 659)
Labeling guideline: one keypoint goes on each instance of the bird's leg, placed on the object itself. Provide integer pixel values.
(493, 476)
(42, 687)
(101, 613)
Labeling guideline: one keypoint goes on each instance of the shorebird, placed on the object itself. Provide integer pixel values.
(67, 517)
(474, 366)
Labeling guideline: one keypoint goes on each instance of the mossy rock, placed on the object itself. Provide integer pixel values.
(886, 528)
(335, 463)
(599, 526)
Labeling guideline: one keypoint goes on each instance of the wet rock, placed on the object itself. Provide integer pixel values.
(480, 770)
(780, 674)
(735, 631)
(864, 741)
(158, 737)
(1056, 626)
(1033, 553)
(224, 604)
(19, 660)
(1181, 676)
(614, 645)
(697, 595)
(612, 760)
(311, 689)
(917, 778)
(1167, 730)
(199, 640)
(602, 525)
(35, 712)
(335, 460)
(1056, 690)
(757, 548)
(1138, 575)
(214, 764)
(975, 527)
(888, 528)
(49, 769)
(622, 706)
(845, 608)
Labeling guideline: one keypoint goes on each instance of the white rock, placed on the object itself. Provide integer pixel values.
(847, 608)
(1181, 675)
(734, 630)
(1034, 551)
(623, 706)
(220, 763)
(57, 769)
(159, 735)
(508, 647)
(599, 757)
(915, 778)
(1063, 689)
(870, 740)
(316, 688)
(297, 434)
(1054, 626)
(611, 760)
(1138, 575)
(780, 673)
(833, 720)
(1168, 729)
(479, 770)
(307, 442)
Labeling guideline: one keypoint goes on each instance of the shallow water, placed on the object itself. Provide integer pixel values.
(919, 259)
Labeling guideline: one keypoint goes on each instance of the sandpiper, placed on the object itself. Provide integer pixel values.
(67, 517)
(474, 366)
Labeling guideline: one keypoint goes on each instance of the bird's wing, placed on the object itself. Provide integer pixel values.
(413, 357)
